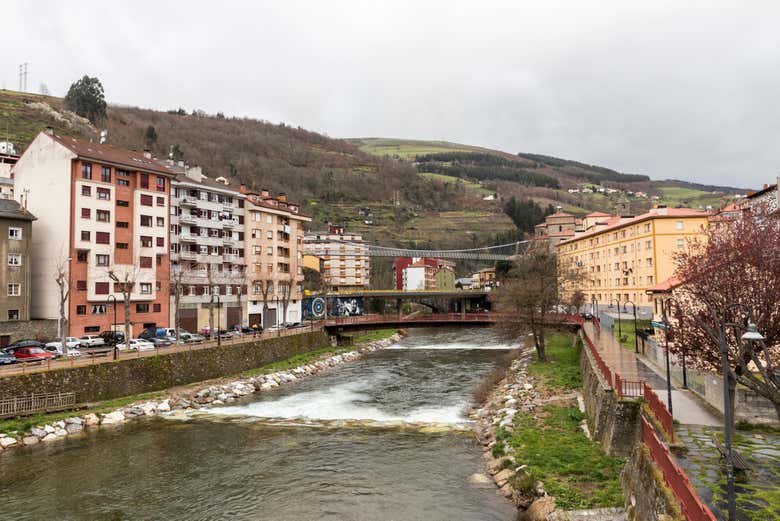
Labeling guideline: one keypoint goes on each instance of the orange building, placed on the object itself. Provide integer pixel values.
(104, 215)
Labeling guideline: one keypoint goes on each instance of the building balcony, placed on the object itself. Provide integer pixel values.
(188, 201)
(229, 241)
(234, 259)
(188, 219)
(186, 237)
(229, 223)
(188, 255)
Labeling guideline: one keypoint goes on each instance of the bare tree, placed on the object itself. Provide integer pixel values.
(125, 280)
(266, 288)
(62, 277)
(288, 288)
(177, 289)
(531, 297)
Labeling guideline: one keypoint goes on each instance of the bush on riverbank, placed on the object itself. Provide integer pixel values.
(483, 390)
(574, 469)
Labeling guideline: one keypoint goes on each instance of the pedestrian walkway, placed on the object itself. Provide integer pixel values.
(687, 409)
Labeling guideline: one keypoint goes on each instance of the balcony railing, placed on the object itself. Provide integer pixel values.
(188, 201)
(190, 219)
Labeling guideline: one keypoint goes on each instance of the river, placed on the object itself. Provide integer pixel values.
(382, 438)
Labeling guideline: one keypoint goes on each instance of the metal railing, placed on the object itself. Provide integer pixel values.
(660, 411)
(36, 403)
(629, 388)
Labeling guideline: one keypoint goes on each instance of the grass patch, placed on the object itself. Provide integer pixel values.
(482, 391)
(562, 368)
(373, 336)
(573, 468)
(627, 330)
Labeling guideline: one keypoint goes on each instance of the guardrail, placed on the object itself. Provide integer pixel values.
(36, 403)
(692, 507)
(660, 411)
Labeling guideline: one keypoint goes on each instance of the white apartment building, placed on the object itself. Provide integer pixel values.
(346, 263)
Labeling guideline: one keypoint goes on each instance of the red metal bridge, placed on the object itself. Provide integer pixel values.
(435, 320)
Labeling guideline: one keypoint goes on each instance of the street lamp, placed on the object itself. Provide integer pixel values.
(278, 325)
(620, 333)
(219, 324)
(113, 327)
(668, 302)
(636, 338)
(665, 320)
(751, 335)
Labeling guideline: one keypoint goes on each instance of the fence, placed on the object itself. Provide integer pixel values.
(35, 403)
(660, 411)
(692, 507)
(628, 388)
(602, 365)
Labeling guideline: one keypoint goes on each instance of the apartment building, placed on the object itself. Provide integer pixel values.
(346, 264)
(208, 264)
(618, 259)
(102, 217)
(274, 243)
(8, 159)
(15, 243)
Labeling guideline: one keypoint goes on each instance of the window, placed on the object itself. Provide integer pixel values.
(146, 200)
(81, 285)
(156, 307)
(146, 262)
(160, 185)
(102, 260)
(157, 285)
(269, 219)
(142, 308)
(161, 242)
(269, 251)
(102, 237)
(98, 309)
(680, 244)
(101, 288)
(86, 213)
(86, 190)
(122, 182)
(161, 221)
(91, 329)
(122, 203)
(86, 171)
(122, 224)
(146, 242)
(81, 310)
(14, 289)
(121, 246)
(104, 194)
(15, 234)
(123, 173)
(146, 288)
(105, 174)
(85, 237)
(146, 220)
(103, 216)
(679, 225)
(161, 201)
(269, 235)
(14, 259)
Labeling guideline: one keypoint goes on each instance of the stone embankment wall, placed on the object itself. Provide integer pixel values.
(612, 421)
(110, 380)
(28, 330)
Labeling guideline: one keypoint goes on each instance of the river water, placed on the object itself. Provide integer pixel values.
(382, 438)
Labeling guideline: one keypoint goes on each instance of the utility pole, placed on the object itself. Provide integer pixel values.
(23, 77)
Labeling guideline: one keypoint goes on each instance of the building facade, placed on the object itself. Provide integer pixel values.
(15, 251)
(208, 263)
(274, 251)
(103, 219)
(620, 258)
(346, 264)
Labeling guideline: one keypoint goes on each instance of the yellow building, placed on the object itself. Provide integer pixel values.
(620, 258)
(312, 262)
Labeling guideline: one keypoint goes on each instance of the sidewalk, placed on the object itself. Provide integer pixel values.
(686, 407)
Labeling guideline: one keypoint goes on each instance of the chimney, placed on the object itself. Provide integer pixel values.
(147, 153)
(282, 197)
(264, 192)
(50, 130)
(242, 188)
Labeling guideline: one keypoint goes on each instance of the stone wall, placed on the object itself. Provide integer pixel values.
(44, 330)
(647, 498)
(614, 422)
(109, 380)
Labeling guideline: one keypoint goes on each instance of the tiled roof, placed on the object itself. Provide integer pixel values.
(10, 209)
(112, 154)
(561, 214)
(666, 285)
(598, 214)
(618, 222)
(207, 182)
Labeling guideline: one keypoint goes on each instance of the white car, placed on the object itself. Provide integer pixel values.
(136, 344)
(91, 341)
(56, 349)
(71, 341)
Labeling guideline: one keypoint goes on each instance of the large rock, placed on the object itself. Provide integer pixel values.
(30, 440)
(60, 432)
(91, 419)
(163, 406)
(50, 437)
(540, 509)
(74, 420)
(113, 418)
(7, 441)
(38, 432)
(503, 476)
(73, 428)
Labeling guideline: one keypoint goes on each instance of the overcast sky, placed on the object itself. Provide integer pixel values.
(689, 93)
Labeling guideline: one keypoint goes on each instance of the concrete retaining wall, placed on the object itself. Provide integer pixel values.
(43, 330)
(109, 380)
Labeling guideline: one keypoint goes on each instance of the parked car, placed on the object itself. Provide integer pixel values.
(112, 338)
(23, 343)
(161, 342)
(32, 354)
(224, 334)
(587, 316)
(293, 325)
(241, 329)
(7, 358)
(191, 338)
(136, 344)
(70, 341)
(91, 341)
(55, 348)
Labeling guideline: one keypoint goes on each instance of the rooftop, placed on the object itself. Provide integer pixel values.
(10, 209)
(665, 286)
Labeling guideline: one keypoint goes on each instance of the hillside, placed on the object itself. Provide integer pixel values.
(416, 193)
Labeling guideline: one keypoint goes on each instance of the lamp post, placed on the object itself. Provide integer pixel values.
(113, 326)
(636, 339)
(665, 320)
(620, 333)
(278, 325)
(219, 324)
(668, 303)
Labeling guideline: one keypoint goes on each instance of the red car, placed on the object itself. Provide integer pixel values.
(32, 354)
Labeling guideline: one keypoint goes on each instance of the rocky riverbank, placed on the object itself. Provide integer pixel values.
(211, 395)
